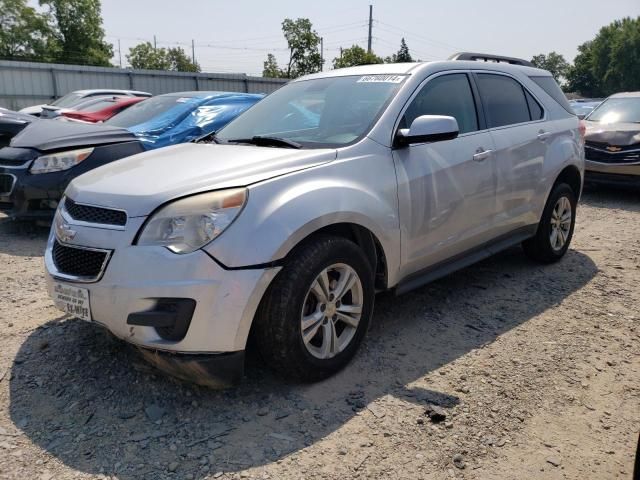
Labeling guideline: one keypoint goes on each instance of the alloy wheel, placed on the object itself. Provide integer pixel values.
(332, 310)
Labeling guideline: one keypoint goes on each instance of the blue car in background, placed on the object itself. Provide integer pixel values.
(180, 117)
(45, 156)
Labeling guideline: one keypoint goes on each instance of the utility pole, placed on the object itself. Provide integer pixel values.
(155, 47)
(193, 52)
(120, 53)
(321, 54)
(370, 28)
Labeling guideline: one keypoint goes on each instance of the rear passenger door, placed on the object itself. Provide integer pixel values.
(446, 189)
(516, 122)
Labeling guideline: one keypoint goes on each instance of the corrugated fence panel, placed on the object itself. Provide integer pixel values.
(26, 83)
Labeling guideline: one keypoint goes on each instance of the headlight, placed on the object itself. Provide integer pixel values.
(190, 223)
(59, 161)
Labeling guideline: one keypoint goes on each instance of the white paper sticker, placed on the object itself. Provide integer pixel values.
(381, 79)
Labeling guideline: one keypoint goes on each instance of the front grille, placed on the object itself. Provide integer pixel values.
(79, 262)
(6, 183)
(86, 213)
(598, 153)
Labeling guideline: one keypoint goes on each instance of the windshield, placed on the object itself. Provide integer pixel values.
(148, 109)
(325, 112)
(68, 100)
(617, 110)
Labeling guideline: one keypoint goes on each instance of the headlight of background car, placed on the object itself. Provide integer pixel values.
(59, 161)
(190, 223)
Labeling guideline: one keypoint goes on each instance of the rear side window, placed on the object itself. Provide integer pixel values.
(445, 95)
(549, 85)
(503, 99)
(534, 107)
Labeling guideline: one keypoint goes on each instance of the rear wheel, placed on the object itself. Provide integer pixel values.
(555, 229)
(317, 311)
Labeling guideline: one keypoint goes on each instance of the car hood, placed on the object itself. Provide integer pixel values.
(619, 134)
(47, 135)
(139, 184)
(11, 117)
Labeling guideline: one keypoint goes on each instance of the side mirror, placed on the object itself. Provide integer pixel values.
(427, 128)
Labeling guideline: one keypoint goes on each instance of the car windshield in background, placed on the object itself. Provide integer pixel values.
(324, 112)
(67, 100)
(617, 110)
(147, 109)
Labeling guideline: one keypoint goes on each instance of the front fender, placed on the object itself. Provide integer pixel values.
(283, 211)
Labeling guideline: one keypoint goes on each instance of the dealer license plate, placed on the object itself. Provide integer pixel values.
(72, 300)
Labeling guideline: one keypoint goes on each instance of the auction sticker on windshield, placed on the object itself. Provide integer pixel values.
(381, 79)
(72, 300)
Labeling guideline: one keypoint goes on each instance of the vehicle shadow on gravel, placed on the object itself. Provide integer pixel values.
(94, 404)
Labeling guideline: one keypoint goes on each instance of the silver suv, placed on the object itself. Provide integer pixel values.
(283, 226)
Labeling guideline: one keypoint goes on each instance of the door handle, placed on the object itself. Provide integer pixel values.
(542, 135)
(481, 155)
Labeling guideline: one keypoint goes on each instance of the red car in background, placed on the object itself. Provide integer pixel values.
(103, 109)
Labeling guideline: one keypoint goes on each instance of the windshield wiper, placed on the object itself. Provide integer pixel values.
(267, 142)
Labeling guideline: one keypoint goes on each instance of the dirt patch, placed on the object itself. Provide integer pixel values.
(504, 370)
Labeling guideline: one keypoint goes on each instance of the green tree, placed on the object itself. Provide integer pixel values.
(79, 33)
(356, 55)
(403, 54)
(271, 68)
(580, 77)
(180, 62)
(609, 63)
(145, 56)
(304, 51)
(616, 56)
(25, 34)
(554, 63)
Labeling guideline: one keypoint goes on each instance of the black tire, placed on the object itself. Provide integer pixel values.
(277, 330)
(539, 247)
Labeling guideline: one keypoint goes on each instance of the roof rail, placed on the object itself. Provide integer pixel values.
(485, 57)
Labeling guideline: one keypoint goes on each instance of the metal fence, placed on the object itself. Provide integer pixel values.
(24, 83)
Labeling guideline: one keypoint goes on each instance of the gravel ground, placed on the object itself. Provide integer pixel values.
(504, 370)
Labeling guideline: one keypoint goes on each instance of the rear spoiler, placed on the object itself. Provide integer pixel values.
(485, 57)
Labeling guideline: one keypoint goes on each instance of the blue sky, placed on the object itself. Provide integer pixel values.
(236, 36)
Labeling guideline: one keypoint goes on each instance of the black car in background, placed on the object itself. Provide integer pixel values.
(11, 123)
(36, 168)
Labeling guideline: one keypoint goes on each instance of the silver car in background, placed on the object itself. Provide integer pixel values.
(287, 222)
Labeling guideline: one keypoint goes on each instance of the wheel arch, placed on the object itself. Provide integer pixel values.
(572, 177)
(363, 238)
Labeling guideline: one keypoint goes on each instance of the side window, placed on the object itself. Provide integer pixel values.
(534, 107)
(503, 99)
(445, 95)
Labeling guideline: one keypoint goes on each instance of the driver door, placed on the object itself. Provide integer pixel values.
(446, 189)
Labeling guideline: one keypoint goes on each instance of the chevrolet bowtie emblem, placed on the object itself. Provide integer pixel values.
(65, 233)
(611, 148)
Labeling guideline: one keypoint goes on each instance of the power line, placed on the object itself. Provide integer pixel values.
(418, 36)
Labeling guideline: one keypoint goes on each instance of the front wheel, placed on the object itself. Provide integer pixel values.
(317, 311)
(555, 229)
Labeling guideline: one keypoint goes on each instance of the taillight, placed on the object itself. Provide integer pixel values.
(582, 127)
